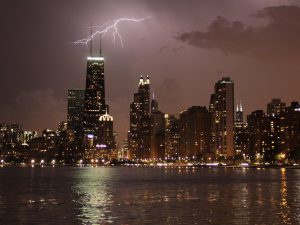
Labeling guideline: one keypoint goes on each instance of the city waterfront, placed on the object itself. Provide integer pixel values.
(125, 195)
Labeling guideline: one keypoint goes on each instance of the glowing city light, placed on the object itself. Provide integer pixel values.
(95, 58)
(90, 136)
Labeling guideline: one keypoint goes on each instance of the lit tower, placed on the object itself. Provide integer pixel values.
(240, 133)
(139, 135)
(222, 117)
(94, 101)
(106, 137)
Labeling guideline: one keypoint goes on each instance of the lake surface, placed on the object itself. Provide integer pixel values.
(123, 195)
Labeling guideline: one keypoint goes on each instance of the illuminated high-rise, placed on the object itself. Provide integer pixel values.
(290, 130)
(106, 139)
(139, 134)
(94, 101)
(222, 118)
(172, 136)
(240, 133)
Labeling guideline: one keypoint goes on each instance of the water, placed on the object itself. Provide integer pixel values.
(122, 195)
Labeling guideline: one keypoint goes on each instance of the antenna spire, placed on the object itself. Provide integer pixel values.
(100, 45)
(91, 44)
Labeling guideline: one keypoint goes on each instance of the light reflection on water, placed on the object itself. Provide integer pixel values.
(93, 197)
(284, 206)
(149, 196)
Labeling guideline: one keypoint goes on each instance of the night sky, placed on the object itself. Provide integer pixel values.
(185, 47)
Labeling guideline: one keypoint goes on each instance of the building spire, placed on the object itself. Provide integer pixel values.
(241, 107)
(100, 45)
(141, 82)
(147, 80)
(91, 44)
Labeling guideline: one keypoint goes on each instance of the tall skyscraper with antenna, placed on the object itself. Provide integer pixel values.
(94, 101)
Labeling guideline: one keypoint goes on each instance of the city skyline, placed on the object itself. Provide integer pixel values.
(150, 112)
(163, 49)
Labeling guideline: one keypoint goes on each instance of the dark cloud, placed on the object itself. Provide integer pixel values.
(170, 49)
(279, 38)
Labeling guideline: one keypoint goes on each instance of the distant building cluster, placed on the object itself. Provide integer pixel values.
(217, 133)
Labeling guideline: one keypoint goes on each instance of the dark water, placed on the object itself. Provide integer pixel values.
(149, 196)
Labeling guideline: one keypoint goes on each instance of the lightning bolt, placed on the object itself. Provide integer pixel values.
(109, 27)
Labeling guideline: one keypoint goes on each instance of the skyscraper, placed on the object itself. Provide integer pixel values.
(290, 129)
(105, 138)
(172, 136)
(157, 135)
(259, 135)
(75, 117)
(94, 101)
(240, 133)
(139, 134)
(222, 117)
(194, 132)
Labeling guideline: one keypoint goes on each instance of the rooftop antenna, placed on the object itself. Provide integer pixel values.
(100, 45)
(91, 44)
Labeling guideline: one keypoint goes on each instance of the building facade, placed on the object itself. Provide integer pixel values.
(172, 136)
(194, 132)
(94, 101)
(140, 122)
(75, 119)
(222, 118)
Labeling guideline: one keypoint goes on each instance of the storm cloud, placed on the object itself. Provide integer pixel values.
(279, 38)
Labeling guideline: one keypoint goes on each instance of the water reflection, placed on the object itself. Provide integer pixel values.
(284, 207)
(123, 195)
(92, 196)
